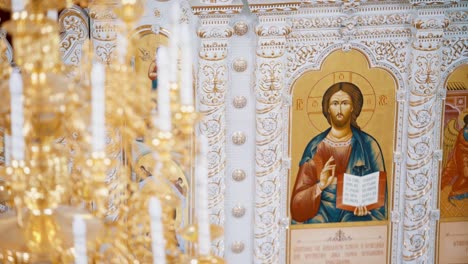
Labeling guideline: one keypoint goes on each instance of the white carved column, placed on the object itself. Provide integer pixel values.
(269, 174)
(103, 34)
(240, 146)
(214, 33)
(423, 153)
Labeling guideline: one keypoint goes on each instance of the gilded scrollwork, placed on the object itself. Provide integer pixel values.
(271, 47)
(390, 51)
(106, 52)
(269, 84)
(426, 75)
(315, 22)
(348, 31)
(452, 50)
(74, 28)
(214, 85)
(431, 23)
(418, 211)
(384, 19)
(375, 33)
(212, 88)
(423, 3)
(300, 55)
(213, 50)
(272, 30)
(102, 12)
(425, 69)
(215, 33)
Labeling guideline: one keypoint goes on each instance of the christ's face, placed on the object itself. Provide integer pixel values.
(340, 109)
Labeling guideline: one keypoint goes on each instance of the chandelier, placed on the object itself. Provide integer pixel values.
(73, 181)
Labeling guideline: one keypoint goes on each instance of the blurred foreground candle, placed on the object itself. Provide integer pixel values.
(164, 100)
(17, 6)
(17, 115)
(202, 199)
(174, 43)
(79, 237)
(186, 91)
(7, 149)
(98, 103)
(157, 233)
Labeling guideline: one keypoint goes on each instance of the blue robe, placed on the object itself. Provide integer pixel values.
(365, 157)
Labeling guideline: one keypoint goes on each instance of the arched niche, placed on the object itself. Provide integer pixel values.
(453, 196)
(377, 119)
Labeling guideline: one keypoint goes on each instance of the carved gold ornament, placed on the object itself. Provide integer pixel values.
(239, 102)
(237, 247)
(238, 175)
(238, 211)
(238, 138)
(241, 28)
(239, 65)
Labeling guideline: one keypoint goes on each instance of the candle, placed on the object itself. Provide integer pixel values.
(98, 103)
(174, 42)
(202, 199)
(79, 237)
(158, 243)
(186, 91)
(17, 6)
(17, 116)
(164, 100)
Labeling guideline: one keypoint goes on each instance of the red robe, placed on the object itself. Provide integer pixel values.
(456, 171)
(306, 195)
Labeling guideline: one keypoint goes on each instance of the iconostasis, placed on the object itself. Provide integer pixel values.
(337, 129)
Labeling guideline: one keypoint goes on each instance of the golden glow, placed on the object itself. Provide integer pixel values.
(62, 176)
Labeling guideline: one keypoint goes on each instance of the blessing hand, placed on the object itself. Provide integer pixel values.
(327, 175)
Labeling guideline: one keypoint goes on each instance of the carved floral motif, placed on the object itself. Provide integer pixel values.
(214, 85)
(391, 51)
(426, 75)
(105, 52)
(303, 55)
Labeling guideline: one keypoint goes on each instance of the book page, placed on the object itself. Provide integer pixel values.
(370, 188)
(351, 190)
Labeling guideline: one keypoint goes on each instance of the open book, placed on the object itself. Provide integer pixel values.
(367, 190)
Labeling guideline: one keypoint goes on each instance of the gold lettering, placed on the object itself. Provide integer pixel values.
(299, 104)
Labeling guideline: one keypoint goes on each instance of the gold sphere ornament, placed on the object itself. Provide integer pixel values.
(237, 247)
(238, 138)
(238, 211)
(241, 28)
(240, 65)
(238, 175)
(239, 102)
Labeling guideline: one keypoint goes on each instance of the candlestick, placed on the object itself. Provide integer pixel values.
(17, 115)
(79, 238)
(157, 233)
(164, 101)
(98, 103)
(202, 199)
(186, 91)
